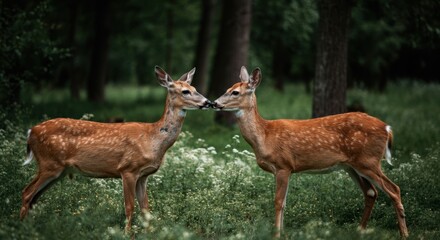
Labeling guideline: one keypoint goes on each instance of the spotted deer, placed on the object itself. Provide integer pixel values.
(131, 151)
(354, 142)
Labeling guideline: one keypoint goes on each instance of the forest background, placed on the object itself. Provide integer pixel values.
(95, 59)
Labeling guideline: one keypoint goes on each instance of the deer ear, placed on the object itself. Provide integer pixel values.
(187, 77)
(255, 79)
(244, 75)
(163, 77)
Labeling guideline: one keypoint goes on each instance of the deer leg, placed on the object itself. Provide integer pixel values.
(36, 187)
(129, 185)
(393, 191)
(370, 195)
(141, 193)
(282, 183)
(375, 174)
(45, 188)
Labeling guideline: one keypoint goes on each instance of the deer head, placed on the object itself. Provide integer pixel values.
(241, 95)
(182, 94)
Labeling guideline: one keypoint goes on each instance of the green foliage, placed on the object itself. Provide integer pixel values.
(420, 19)
(25, 42)
(295, 21)
(27, 53)
(141, 39)
(284, 23)
(375, 40)
(210, 187)
(36, 38)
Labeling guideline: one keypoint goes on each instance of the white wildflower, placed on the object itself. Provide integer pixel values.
(186, 234)
(87, 116)
(200, 169)
(111, 230)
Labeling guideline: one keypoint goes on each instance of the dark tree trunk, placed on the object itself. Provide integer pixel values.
(10, 89)
(201, 61)
(329, 90)
(281, 63)
(100, 45)
(73, 77)
(169, 36)
(231, 52)
(141, 63)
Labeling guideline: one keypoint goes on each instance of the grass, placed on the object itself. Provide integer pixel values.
(210, 186)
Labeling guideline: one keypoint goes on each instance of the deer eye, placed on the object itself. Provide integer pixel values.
(235, 93)
(186, 92)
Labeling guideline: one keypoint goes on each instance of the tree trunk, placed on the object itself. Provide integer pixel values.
(73, 77)
(329, 90)
(169, 36)
(231, 52)
(281, 63)
(10, 89)
(98, 63)
(201, 61)
(142, 74)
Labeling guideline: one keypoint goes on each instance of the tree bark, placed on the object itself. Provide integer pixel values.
(169, 36)
(281, 64)
(141, 74)
(73, 15)
(98, 63)
(329, 90)
(231, 52)
(201, 61)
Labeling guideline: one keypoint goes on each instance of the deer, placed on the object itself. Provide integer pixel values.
(353, 142)
(131, 151)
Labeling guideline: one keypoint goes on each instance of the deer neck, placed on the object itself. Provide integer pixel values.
(251, 124)
(170, 124)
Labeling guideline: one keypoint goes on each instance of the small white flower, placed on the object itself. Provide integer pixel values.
(211, 148)
(111, 230)
(87, 116)
(200, 169)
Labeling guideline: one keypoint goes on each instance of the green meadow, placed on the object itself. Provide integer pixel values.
(210, 186)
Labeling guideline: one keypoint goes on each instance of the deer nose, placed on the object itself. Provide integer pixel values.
(206, 104)
(215, 105)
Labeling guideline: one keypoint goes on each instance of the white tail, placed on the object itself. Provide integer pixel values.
(131, 151)
(389, 143)
(355, 142)
(30, 154)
